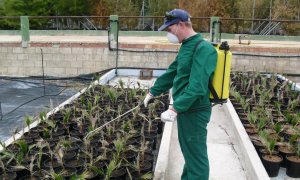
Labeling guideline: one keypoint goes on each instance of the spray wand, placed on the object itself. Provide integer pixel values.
(95, 131)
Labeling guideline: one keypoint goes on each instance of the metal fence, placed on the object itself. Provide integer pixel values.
(151, 23)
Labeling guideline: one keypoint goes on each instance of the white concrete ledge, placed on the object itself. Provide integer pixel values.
(249, 157)
(164, 151)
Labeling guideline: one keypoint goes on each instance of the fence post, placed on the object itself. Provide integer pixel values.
(215, 29)
(114, 37)
(25, 31)
(113, 30)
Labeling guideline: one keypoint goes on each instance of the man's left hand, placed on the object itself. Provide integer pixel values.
(169, 115)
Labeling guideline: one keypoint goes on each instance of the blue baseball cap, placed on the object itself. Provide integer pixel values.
(173, 17)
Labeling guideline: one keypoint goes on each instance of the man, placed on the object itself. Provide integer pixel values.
(188, 76)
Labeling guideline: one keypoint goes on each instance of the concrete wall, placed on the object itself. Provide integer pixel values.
(271, 59)
(71, 59)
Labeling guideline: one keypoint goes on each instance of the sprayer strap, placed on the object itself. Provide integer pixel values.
(198, 43)
(213, 92)
(210, 86)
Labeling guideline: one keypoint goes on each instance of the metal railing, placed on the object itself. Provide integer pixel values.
(140, 23)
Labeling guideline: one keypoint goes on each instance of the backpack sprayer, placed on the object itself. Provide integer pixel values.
(219, 84)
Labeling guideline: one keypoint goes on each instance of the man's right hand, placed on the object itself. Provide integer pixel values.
(148, 97)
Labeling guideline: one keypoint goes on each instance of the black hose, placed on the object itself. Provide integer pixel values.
(262, 55)
(152, 51)
(3, 115)
(236, 54)
(79, 77)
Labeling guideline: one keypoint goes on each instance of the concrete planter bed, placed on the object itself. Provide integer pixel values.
(57, 146)
(268, 107)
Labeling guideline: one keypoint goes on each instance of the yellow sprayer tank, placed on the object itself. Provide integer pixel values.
(221, 77)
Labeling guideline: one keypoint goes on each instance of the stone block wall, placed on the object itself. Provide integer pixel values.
(277, 59)
(71, 59)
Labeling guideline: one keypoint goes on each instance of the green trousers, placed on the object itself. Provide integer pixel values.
(192, 135)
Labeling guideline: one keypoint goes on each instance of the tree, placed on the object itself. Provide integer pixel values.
(208, 9)
(287, 9)
(116, 7)
(159, 8)
(71, 7)
(26, 8)
(2, 21)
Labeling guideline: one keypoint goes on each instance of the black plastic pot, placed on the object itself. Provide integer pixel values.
(65, 172)
(272, 166)
(101, 165)
(73, 148)
(264, 151)
(31, 135)
(136, 175)
(118, 174)
(77, 134)
(152, 140)
(69, 155)
(91, 175)
(8, 176)
(78, 164)
(258, 145)
(284, 153)
(145, 167)
(32, 177)
(148, 157)
(293, 166)
(52, 164)
(160, 126)
(130, 155)
(21, 172)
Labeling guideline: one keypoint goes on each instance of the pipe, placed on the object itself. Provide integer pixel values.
(1, 115)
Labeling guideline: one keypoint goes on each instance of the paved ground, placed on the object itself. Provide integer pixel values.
(224, 160)
(138, 40)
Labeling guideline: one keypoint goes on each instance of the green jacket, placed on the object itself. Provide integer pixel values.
(188, 77)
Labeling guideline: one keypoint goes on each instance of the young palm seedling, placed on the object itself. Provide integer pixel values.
(138, 170)
(113, 165)
(2, 168)
(28, 120)
(120, 148)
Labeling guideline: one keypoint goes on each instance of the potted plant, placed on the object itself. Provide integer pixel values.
(30, 134)
(23, 158)
(4, 174)
(252, 119)
(139, 170)
(288, 149)
(271, 161)
(115, 171)
(293, 164)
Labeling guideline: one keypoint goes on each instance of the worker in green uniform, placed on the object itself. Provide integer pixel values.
(188, 76)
